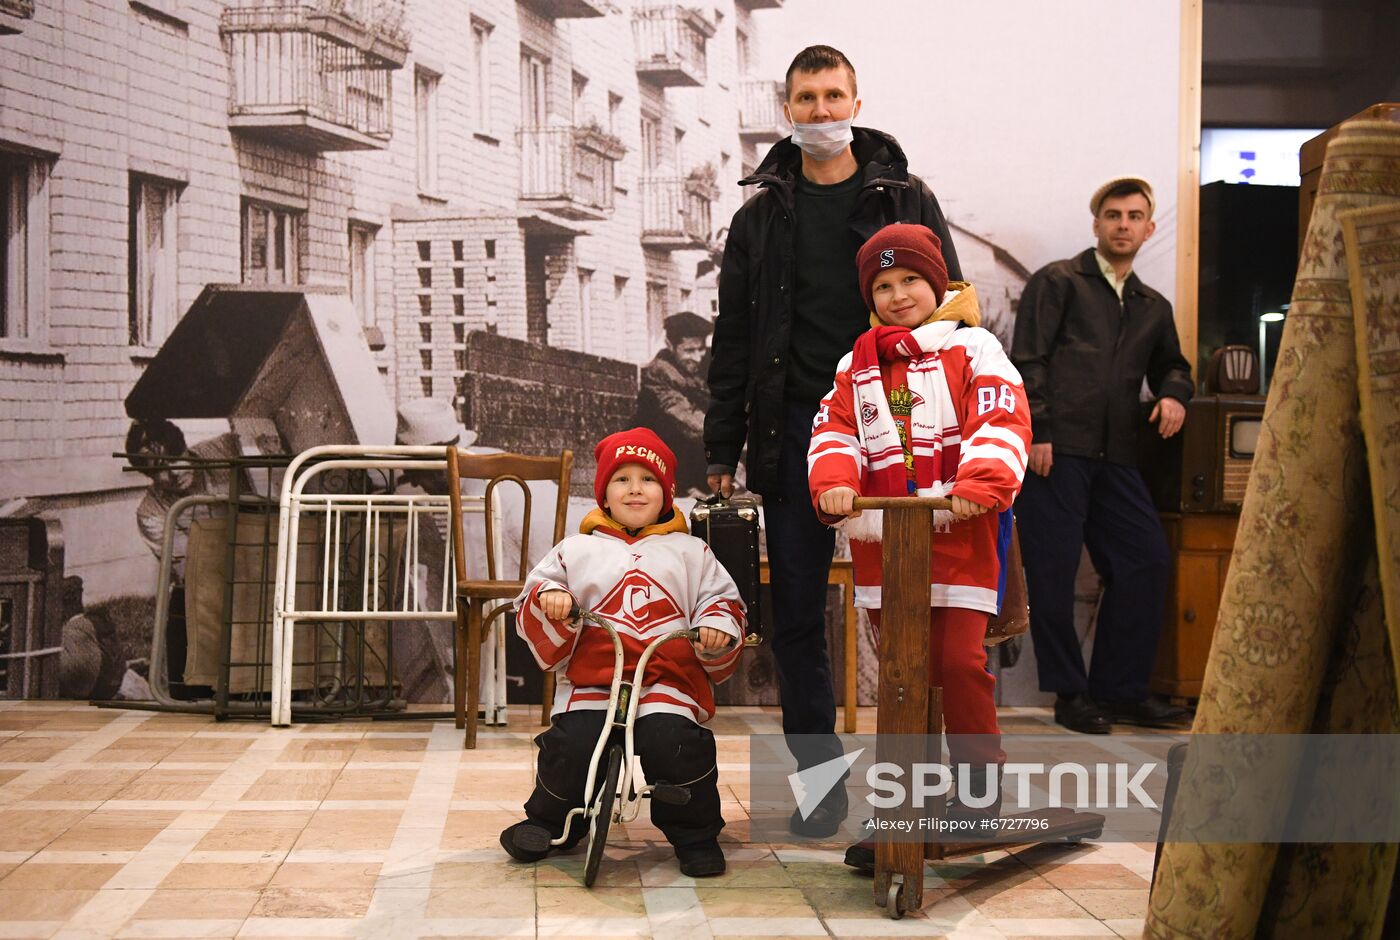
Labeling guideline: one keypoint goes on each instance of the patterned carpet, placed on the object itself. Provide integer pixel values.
(136, 824)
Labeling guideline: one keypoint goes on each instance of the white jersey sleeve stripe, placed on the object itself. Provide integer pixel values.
(993, 452)
(1005, 436)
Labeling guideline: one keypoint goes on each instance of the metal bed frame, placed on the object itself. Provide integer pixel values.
(364, 554)
(350, 586)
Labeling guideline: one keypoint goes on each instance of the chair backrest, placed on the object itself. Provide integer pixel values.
(496, 469)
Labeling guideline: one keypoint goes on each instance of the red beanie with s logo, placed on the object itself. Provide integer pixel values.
(902, 245)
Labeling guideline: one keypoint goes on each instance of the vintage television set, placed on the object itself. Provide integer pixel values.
(1217, 451)
(1206, 467)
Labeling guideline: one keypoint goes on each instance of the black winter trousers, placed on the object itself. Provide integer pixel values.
(799, 560)
(1105, 507)
(672, 750)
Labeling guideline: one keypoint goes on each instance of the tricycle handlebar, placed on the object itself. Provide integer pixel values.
(692, 633)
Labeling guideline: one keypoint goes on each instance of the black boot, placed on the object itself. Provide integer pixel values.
(528, 841)
(1151, 712)
(701, 861)
(825, 819)
(861, 857)
(1078, 712)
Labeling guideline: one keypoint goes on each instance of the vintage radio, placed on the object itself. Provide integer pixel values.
(1217, 451)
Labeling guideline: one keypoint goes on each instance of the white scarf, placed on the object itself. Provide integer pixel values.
(880, 446)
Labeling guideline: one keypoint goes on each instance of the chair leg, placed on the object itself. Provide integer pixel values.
(459, 666)
(546, 698)
(473, 671)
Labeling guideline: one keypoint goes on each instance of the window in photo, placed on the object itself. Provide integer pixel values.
(24, 251)
(270, 243)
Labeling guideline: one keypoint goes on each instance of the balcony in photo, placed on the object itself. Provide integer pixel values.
(568, 170)
(314, 74)
(676, 212)
(761, 111)
(566, 9)
(670, 43)
(13, 14)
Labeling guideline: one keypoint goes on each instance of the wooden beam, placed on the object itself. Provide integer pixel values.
(901, 722)
(1188, 181)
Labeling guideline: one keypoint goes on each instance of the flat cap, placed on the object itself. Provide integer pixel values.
(1097, 199)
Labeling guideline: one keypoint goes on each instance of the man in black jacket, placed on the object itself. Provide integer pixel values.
(1087, 333)
(673, 397)
(789, 309)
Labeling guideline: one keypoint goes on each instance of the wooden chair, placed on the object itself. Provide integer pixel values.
(473, 595)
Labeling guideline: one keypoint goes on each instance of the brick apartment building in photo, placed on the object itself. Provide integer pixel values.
(548, 171)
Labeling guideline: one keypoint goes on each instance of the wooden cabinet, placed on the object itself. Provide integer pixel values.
(1201, 544)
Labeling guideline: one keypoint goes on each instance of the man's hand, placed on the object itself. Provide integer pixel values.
(712, 639)
(965, 508)
(1172, 414)
(1042, 457)
(839, 501)
(556, 604)
(721, 483)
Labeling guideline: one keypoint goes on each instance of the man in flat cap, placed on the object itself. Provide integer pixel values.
(674, 396)
(1088, 332)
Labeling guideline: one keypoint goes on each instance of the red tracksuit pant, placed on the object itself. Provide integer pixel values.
(957, 663)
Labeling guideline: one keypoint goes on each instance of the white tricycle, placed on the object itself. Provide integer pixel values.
(617, 785)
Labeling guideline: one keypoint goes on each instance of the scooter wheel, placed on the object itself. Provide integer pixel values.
(601, 818)
(894, 901)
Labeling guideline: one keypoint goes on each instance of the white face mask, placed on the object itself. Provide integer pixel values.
(822, 141)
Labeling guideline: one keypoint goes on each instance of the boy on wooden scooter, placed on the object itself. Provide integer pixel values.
(928, 404)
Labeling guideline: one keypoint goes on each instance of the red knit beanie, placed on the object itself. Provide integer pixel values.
(635, 445)
(902, 245)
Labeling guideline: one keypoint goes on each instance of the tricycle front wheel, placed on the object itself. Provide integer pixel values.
(601, 818)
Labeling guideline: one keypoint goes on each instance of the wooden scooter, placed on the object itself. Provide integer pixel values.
(911, 712)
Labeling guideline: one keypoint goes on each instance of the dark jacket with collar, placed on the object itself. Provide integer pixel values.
(748, 363)
(1083, 356)
(672, 402)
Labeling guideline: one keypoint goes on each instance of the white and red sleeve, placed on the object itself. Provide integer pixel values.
(719, 606)
(833, 457)
(996, 423)
(550, 641)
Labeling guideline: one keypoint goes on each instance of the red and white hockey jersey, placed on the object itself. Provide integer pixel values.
(661, 579)
(965, 408)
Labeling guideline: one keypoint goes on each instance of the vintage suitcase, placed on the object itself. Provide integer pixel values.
(730, 528)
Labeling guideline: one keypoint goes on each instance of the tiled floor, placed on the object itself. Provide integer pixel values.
(136, 824)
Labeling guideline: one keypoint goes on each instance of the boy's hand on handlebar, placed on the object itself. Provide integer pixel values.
(556, 604)
(966, 508)
(839, 501)
(712, 640)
